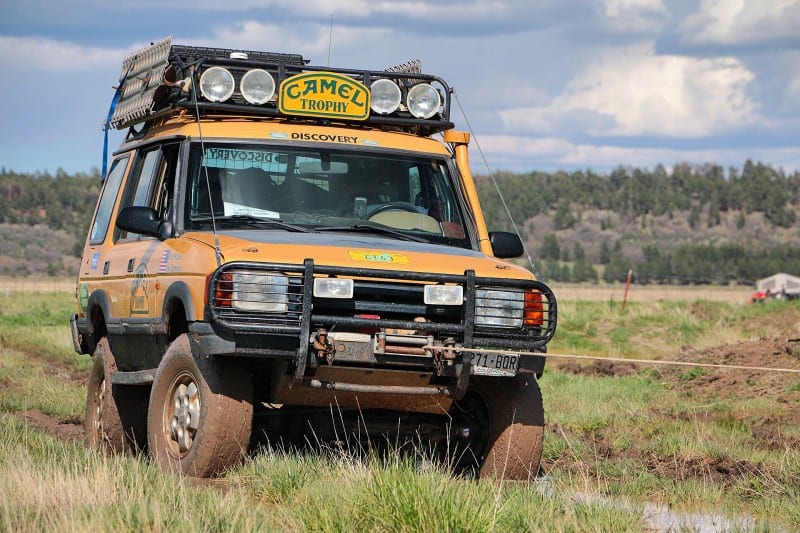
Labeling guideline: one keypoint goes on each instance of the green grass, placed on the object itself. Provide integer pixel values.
(654, 329)
(632, 439)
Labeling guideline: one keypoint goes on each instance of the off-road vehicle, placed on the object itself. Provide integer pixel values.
(301, 250)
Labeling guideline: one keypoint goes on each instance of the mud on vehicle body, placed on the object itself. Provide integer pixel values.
(275, 240)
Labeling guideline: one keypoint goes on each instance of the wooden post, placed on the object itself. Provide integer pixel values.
(627, 286)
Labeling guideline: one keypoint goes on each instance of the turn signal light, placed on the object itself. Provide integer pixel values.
(534, 310)
(223, 293)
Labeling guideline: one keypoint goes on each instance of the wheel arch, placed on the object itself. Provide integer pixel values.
(178, 309)
(98, 311)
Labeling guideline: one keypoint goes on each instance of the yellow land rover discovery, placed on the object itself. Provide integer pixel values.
(297, 254)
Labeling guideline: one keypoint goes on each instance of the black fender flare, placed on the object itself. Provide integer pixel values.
(98, 303)
(179, 291)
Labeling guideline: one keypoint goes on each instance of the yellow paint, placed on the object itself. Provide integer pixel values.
(196, 249)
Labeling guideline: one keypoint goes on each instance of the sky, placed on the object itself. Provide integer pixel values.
(543, 84)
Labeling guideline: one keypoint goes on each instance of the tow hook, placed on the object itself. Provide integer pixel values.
(323, 346)
(444, 355)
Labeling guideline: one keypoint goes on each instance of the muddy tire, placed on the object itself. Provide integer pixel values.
(201, 412)
(510, 417)
(116, 416)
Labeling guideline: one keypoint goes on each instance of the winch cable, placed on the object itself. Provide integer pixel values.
(618, 359)
(496, 187)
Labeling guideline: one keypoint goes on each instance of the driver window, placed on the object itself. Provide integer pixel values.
(151, 183)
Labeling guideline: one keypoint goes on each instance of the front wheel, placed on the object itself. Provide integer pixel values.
(201, 412)
(507, 415)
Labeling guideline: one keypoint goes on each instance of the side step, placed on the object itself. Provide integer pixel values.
(139, 377)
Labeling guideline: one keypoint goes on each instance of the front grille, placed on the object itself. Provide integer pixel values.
(387, 300)
(277, 299)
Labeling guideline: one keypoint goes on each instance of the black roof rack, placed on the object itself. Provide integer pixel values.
(163, 77)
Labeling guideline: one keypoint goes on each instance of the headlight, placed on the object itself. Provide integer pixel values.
(257, 86)
(499, 308)
(259, 292)
(423, 100)
(333, 288)
(385, 97)
(444, 294)
(217, 84)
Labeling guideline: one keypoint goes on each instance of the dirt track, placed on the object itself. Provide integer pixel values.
(780, 349)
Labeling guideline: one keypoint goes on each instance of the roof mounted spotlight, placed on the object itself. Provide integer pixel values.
(257, 86)
(385, 96)
(217, 84)
(423, 100)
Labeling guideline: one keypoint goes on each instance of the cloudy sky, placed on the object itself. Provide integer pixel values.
(545, 84)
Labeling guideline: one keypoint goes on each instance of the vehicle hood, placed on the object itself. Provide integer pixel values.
(355, 250)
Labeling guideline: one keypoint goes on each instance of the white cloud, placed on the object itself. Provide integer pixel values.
(362, 9)
(307, 38)
(633, 92)
(39, 54)
(528, 153)
(742, 22)
(636, 15)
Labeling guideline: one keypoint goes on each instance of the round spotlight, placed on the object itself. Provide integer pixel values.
(423, 100)
(257, 86)
(385, 96)
(217, 84)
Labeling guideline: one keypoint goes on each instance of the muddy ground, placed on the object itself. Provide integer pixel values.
(778, 349)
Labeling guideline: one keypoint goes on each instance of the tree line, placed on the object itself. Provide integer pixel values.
(60, 201)
(699, 194)
(634, 192)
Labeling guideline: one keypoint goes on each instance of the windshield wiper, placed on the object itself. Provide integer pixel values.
(251, 220)
(369, 228)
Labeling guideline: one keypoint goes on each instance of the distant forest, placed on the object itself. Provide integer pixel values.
(686, 224)
(689, 224)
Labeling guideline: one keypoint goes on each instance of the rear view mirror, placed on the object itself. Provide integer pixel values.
(505, 245)
(143, 220)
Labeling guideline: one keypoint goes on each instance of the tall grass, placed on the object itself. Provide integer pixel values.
(631, 439)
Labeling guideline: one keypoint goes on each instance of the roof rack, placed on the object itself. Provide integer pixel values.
(164, 77)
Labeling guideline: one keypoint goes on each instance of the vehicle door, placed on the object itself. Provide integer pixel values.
(134, 260)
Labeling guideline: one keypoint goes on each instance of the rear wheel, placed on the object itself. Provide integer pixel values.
(507, 417)
(201, 412)
(115, 418)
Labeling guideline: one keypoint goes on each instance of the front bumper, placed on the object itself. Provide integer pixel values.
(385, 324)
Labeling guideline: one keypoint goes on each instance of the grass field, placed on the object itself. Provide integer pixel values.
(616, 444)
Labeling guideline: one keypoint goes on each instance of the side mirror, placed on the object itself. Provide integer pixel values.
(145, 221)
(506, 245)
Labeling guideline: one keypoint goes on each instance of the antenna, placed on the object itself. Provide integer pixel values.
(217, 251)
(330, 40)
(497, 188)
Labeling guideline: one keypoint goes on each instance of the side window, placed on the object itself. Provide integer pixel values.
(151, 182)
(106, 204)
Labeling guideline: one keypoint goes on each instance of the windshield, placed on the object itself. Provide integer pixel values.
(323, 190)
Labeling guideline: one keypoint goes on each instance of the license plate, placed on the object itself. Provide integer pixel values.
(495, 364)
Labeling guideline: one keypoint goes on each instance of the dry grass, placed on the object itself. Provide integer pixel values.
(651, 293)
(35, 284)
